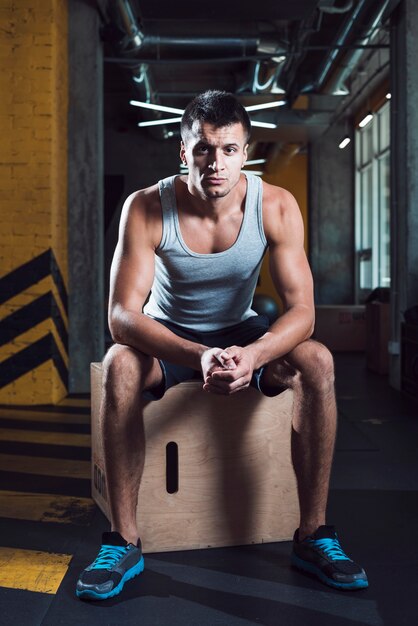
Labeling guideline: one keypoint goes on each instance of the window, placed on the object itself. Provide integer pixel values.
(372, 216)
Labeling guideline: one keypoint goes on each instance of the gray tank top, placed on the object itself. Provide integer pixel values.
(206, 292)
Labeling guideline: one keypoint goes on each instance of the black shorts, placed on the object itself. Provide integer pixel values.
(240, 334)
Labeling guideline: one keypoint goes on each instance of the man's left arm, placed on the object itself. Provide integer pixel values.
(293, 282)
(292, 279)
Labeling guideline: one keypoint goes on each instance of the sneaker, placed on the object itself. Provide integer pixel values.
(321, 554)
(117, 562)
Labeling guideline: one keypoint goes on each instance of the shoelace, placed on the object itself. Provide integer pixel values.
(108, 556)
(331, 548)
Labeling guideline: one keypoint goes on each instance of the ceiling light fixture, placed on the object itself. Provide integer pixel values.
(255, 162)
(366, 120)
(263, 124)
(388, 96)
(155, 107)
(256, 172)
(344, 142)
(171, 120)
(266, 105)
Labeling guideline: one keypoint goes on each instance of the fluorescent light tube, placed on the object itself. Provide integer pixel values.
(155, 107)
(263, 124)
(266, 105)
(344, 143)
(366, 120)
(171, 120)
(255, 162)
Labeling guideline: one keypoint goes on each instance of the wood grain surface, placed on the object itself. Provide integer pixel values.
(236, 483)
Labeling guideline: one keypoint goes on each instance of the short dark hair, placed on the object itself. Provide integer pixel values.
(218, 108)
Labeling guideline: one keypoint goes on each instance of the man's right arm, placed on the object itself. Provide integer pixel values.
(131, 278)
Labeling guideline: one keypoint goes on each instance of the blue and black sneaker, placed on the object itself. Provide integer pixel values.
(321, 554)
(117, 562)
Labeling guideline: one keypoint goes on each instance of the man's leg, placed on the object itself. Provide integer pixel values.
(308, 370)
(126, 374)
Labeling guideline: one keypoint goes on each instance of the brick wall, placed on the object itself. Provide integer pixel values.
(33, 201)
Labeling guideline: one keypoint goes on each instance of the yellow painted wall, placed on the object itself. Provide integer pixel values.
(290, 171)
(33, 181)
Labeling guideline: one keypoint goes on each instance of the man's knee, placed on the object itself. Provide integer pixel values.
(314, 363)
(123, 363)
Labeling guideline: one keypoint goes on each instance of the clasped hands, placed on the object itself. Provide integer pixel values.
(226, 371)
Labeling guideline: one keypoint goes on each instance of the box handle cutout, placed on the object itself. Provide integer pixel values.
(172, 467)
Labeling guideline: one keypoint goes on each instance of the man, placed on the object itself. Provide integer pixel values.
(197, 243)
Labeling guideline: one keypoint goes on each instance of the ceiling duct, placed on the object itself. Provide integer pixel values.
(356, 30)
(185, 47)
(133, 38)
(266, 75)
(143, 84)
(327, 6)
(179, 47)
(135, 44)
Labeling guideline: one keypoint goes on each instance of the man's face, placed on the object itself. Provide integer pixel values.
(214, 157)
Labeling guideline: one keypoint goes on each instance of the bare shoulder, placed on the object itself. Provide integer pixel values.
(141, 215)
(143, 203)
(282, 218)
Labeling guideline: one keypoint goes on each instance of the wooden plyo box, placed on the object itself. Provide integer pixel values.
(235, 480)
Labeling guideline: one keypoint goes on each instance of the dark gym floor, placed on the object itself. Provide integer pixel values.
(45, 511)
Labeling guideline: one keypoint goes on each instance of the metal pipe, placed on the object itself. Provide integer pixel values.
(182, 47)
(143, 83)
(136, 46)
(351, 59)
(323, 83)
(331, 9)
(133, 62)
(161, 47)
(257, 86)
(134, 37)
(273, 71)
(341, 39)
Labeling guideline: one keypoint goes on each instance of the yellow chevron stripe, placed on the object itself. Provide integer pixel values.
(63, 468)
(43, 416)
(32, 570)
(29, 337)
(44, 507)
(39, 386)
(35, 436)
(29, 295)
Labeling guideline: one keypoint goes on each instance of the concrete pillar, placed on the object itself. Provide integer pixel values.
(404, 167)
(331, 217)
(85, 178)
(141, 161)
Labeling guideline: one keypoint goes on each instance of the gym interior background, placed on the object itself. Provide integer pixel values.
(72, 150)
(331, 87)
